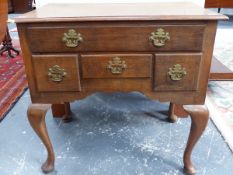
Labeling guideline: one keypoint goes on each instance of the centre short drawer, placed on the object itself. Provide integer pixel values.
(116, 38)
(116, 66)
(56, 73)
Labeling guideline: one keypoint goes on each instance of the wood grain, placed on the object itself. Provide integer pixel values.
(3, 18)
(189, 61)
(218, 3)
(119, 12)
(122, 30)
(22, 6)
(95, 66)
(129, 37)
(42, 64)
(200, 37)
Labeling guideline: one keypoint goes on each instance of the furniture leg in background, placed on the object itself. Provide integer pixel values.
(171, 113)
(219, 71)
(7, 46)
(175, 111)
(62, 111)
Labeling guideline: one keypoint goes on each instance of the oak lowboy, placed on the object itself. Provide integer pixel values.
(162, 50)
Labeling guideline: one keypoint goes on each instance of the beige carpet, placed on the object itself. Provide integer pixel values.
(220, 103)
(220, 93)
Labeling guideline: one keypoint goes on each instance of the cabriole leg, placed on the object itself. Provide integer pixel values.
(199, 115)
(36, 116)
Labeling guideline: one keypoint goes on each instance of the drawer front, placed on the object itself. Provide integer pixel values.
(147, 37)
(116, 66)
(177, 72)
(56, 73)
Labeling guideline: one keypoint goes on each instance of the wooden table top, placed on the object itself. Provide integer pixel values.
(119, 11)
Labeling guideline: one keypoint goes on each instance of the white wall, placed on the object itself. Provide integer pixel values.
(42, 2)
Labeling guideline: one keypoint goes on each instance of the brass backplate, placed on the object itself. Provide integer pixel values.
(56, 73)
(159, 37)
(71, 38)
(177, 72)
(116, 65)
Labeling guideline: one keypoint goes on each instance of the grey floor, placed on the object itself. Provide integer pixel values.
(125, 134)
(111, 134)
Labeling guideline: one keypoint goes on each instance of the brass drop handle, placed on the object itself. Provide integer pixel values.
(56, 73)
(177, 72)
(159, 37)
(116, 66)
(72, 39)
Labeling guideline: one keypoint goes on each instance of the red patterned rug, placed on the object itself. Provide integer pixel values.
(12, 81)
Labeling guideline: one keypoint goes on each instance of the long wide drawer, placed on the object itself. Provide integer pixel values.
(128, 37)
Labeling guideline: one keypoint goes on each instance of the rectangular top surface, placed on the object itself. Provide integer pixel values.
(119, 12)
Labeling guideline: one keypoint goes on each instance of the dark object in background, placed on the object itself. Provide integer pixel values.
(218, 70)
(8, 46)
(10, 6)
(3, 19)
(218, 4)
(20, 6)
(5, 38)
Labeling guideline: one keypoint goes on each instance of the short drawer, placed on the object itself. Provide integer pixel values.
(116, 66)
(56, 73)
(124, 37)
(177, 72)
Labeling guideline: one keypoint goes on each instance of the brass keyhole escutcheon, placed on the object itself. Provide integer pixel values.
(177, 72)
(159, 37)
(56, 73)
(116, 65)
(72, 39)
